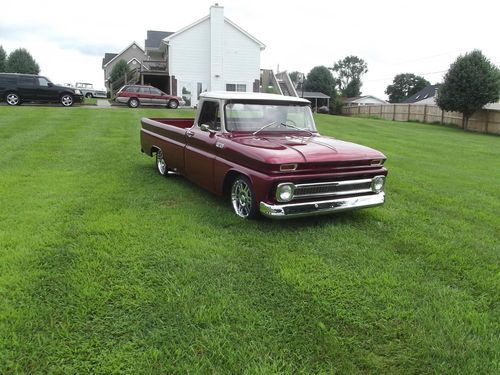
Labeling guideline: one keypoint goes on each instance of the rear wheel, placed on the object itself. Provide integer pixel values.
(89, 95)
(243, 198)
(12, 98)
(161, 164)
(173, 104)
(133, 103)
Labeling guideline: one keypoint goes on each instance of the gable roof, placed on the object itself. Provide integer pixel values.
(177, 33)
(427, 92)
(154, 38)
(357, 98)
(121, 53)
(107, 58)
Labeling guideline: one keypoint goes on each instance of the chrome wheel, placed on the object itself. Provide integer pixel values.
(12, 99)
(161, 165)
(173, 104)
(242, 198)
(133, 103)
(67, 100)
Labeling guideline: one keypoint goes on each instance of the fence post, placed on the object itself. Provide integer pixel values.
(487, 121)
(394, 112)
(442, 116)
(369, 111)
(359, 110)
(425, 113)
(381, 109)
(408, 112)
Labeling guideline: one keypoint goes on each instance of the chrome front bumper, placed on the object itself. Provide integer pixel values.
(290, 210)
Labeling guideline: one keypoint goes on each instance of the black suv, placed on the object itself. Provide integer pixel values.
(17, 88)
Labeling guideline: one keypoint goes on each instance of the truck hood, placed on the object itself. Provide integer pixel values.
(273, 149)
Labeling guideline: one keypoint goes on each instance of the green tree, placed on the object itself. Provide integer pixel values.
(320, 79)
(3, 58)
(119, 70)
(21, 61)
(405, 85)
(349, 69)
(296, 78)
(353, 89)
(471, 82)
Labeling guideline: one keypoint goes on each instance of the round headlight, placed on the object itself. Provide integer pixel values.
(284, 192)
(378, 184)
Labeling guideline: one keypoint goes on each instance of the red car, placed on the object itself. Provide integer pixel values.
(136, 95)
(264, 152)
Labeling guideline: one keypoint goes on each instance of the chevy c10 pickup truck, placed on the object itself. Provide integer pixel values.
(263, 151)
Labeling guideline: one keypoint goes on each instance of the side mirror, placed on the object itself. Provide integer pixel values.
(50, 84)
(206, 128)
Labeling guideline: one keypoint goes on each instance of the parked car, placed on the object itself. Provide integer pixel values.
(88, 90)
(136, 95)
(263, 151)
(18, 88)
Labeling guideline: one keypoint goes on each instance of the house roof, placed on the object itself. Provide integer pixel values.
(358, 98)
(108, 57)
(118, 54)
(177, 33)
(426, 92)
(312, 94)
(154, 38)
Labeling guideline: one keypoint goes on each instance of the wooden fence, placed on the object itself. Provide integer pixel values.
(484, 121)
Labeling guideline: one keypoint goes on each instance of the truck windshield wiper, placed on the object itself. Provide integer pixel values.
(297, 128)
(264, 127)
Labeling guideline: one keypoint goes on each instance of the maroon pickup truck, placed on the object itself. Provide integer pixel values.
(264, 152)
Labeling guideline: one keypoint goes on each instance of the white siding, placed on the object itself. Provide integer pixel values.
(241, 58)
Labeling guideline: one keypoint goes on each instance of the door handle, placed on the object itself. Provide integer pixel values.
(190, 133)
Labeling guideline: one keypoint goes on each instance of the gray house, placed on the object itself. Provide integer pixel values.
(134, 55)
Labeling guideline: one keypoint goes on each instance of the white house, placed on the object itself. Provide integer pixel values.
(212, 54)
(363, 100)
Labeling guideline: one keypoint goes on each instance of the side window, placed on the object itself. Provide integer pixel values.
(131, 89)
(26, 82)
(43, 82)
(155, 91)
(144, 90)
(210, 115)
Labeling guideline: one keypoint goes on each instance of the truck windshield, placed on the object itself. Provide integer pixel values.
(250, 117)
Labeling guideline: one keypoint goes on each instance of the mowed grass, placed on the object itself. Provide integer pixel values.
(106, 267)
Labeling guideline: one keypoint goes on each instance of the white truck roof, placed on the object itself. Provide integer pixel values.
(232, 95)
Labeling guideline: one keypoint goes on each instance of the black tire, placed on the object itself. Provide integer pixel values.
(89, 95)
(12, 99)
(161, 164)
(67, 100)
(242, 198)
(172, 104)
(133, 103)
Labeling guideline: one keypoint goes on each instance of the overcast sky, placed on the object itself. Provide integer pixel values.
(69, 39)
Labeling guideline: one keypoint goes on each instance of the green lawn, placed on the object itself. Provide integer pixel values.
(105, 267)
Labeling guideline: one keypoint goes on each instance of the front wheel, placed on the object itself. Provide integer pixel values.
(67, 100)
(173, 104)
(243, 198)
(12, 99)
(161, 164)
(89, 95)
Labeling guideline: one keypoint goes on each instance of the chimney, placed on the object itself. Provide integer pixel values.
(216, 47)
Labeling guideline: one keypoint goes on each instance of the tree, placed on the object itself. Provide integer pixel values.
(3, 58)
(349, 69)
(320, 79)
(296, 78)
(353, 89)
(471, 82)
(119, 70)
(405, 85)
(21, 61)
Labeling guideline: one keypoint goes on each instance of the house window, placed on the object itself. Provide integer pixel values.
(236, 87)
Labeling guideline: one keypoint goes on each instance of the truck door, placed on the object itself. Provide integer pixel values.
(200, 149)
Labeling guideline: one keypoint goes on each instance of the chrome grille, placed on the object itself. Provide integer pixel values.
(303, 191)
